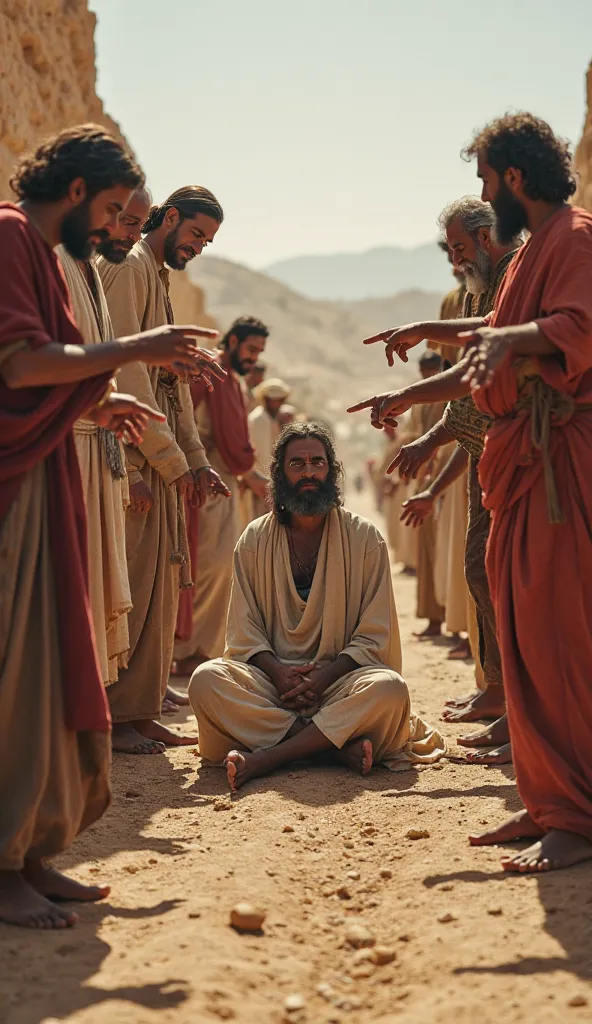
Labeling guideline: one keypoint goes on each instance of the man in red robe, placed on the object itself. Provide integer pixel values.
(530, 365)
(54, 722)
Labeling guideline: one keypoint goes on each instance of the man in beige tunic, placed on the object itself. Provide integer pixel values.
(104, 482)
(265, 428)
(169, 464)
(313, 656)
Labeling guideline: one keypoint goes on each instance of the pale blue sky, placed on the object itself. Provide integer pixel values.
(331, 125)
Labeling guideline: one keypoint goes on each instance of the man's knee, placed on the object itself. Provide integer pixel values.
(205, 680)
(390, 685)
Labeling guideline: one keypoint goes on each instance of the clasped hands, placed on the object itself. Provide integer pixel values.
(301, 686)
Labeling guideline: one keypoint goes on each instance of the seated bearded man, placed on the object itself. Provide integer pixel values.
(313, 656)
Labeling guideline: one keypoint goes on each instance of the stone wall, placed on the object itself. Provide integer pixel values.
(47, 82)
(583, 157)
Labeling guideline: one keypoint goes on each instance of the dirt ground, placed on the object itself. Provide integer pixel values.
(469, 943)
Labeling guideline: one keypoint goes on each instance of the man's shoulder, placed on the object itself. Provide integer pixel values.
(575, 221)
(363, 529)
(15, 226)
(255, 532)
(134, 267)
(256, 414)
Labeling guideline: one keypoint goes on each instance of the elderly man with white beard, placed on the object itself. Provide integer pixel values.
(468, 225)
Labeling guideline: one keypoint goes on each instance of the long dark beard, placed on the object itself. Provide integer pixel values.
(75, 231)
(112, 252)
(307, 503)
(237, 366)
(511, 217)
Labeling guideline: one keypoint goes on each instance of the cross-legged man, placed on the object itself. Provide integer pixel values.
(313, 657)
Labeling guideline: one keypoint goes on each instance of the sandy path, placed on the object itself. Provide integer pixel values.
(471, 944)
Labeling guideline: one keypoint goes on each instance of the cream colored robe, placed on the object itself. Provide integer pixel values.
(54, 781)
(264, 432)
(106, 498)
(449, 573)
(351, 610)
(428, 606)
(218, 531)
(137, 296)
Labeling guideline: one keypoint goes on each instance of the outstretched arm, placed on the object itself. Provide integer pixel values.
(399, 340)
(385, 409)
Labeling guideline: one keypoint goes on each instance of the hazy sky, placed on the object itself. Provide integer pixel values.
(331, 125)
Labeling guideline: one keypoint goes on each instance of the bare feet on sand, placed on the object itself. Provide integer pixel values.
(56, 886)
(20, 904)
(358, 756)
(432, 629)
(126, 739)
(555, 851)
(485, 705)
(173, 700)
(159, 732)
(460, 652)
(494, 758)
(242, 767)
(492, 736)
(519, 826)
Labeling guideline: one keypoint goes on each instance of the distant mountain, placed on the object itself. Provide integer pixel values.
(317, 346)
(376, 273)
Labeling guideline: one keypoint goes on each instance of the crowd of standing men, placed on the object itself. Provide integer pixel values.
(122, 499)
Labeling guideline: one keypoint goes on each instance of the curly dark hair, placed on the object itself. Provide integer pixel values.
(298, 432)
(244, 327)
(188, 201)
(86, 151)
(527, 143)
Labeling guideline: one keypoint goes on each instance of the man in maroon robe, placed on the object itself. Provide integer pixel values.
(54, 722)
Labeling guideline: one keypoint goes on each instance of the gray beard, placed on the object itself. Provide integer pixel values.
(480, 274)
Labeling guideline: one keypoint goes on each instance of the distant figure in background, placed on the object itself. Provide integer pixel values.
(222, 419)
(313, 656)
(169, 466)
(264, 428)
(286, 416)
(253, 379)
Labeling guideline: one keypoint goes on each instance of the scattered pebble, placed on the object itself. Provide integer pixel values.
(246, 917)
(194, 913)
(287, 828)
(132, 794)
(354, 875)
(294, 1002)
(417, 833)
(349, 845)
(344, 893)
(222, 804)
(578, 1000)
(386, 873)
(382, 955)
(446, 918)
(495, 911)
(358, 936)
(325, 991)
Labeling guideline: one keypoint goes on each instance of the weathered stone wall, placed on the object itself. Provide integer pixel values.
(47, 82)
(583, 157)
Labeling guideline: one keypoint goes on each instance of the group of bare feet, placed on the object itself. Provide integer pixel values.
(31, 898)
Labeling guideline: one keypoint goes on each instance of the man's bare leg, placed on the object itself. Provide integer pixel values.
(488, 704)
(159, 732)
(519, 826)
(52, 884)
(554, 852)
(125, 739)
(241, 767)
(21, 905)
(433, 628)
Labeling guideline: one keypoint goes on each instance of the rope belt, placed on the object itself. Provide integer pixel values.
(547, 408)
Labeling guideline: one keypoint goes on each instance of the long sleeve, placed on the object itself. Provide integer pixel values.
(245, 629)
(187, 433)
(376, 639)
(158, 446)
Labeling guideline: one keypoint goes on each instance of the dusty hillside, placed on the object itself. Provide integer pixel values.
(584, 154)
(47, 82)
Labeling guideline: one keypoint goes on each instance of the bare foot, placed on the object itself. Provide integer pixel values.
(358, 756)
(185, 667)
(125, 739)
(493, 736)
(461, 702)
(175, 697)
(159, 732)
(495, 758)
(432, 629)
(485, 706)
(461, 652)
(56, 886)
(21, 905)
(168, 708)
(556, 850)
(242, 767)
(519, 826)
